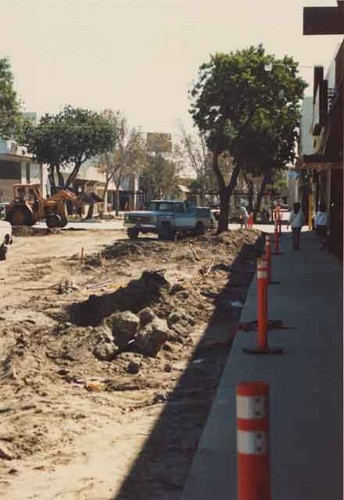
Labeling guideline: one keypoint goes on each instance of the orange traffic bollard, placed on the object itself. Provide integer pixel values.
(262, 303)
(268, 256)
(252, 406)
(280, 226)
(262, 311)
(276, 239)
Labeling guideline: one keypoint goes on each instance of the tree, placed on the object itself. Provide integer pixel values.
(198, 157)
(126, 158)
(267, 148)
(163, 163)
(68, 138)
(160, 176)
(234, 96)
(9, 104)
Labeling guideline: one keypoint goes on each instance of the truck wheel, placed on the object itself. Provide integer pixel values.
(166, 233)
(133, 233)
(64, 221)
(200, 229)
(3, 251)
(53, 220)
(20, 217)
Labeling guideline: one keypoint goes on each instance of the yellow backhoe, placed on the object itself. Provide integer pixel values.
(29, 206)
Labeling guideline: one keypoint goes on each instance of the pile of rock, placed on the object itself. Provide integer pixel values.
(143, 333)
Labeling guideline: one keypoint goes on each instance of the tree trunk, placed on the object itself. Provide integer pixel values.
(51, 177)
(224, 210)
(225, 197)
(260, 196)
(249, 184)
(202, 193)
(117, 201)
(73, 174)
(104, 195)
(60, 178)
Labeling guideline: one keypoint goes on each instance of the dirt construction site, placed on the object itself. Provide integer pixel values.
(111, 351)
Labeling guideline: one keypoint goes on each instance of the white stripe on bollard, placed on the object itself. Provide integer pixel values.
(251, 407)
(262, 274)
(252, 442)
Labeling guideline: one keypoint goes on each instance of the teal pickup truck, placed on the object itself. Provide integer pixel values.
(168, 217)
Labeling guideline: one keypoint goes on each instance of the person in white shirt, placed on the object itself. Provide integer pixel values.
(244, 217)
(321, 223)
(296, 221)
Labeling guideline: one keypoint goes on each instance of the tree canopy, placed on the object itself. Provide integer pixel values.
(248, 112)
(68, 138)
(198, 157)
(127, 155)
(9, 104)
(160, 176)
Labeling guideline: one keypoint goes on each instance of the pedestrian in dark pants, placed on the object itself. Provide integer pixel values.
(321, 223)
(296, 221)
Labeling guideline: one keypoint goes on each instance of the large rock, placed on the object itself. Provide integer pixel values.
(152, 337)
(146, 316)
(133, 367)
(178, 331)
(180, 318)
(103, 334)
(124, 328)
(105, 351)
(5, 452)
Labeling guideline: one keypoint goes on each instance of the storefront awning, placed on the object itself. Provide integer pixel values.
(319, 162)
(16, 158)
(90, 198)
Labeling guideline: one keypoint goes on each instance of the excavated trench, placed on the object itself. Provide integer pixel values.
(137, 295)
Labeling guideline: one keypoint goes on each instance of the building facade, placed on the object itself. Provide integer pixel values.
(16, 166)
(321, 166)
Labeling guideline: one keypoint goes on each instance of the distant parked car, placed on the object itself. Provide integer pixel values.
(5, 238)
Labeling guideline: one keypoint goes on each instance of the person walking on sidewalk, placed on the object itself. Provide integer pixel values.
(296, 221)
(243, 217)
(277, 217)
(321, 223)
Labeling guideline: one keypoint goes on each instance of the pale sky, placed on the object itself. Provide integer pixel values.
(141, 56)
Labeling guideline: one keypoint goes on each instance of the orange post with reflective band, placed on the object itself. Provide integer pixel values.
(262, 303)
(276, 240)
(252, 407)
(280, 226)
(268, 255)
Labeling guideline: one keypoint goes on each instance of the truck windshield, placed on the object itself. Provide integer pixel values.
(161, 206)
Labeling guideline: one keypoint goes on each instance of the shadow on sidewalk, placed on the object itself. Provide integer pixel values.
(163, 464)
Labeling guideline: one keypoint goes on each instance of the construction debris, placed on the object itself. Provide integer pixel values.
(90, 354)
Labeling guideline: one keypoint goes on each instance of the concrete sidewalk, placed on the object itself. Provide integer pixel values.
(305, 385)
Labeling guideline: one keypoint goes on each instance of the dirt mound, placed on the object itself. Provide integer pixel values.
(34, 231)
(132, 249)
(137, 295)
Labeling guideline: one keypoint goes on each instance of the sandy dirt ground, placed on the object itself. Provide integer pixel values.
(84, 416)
